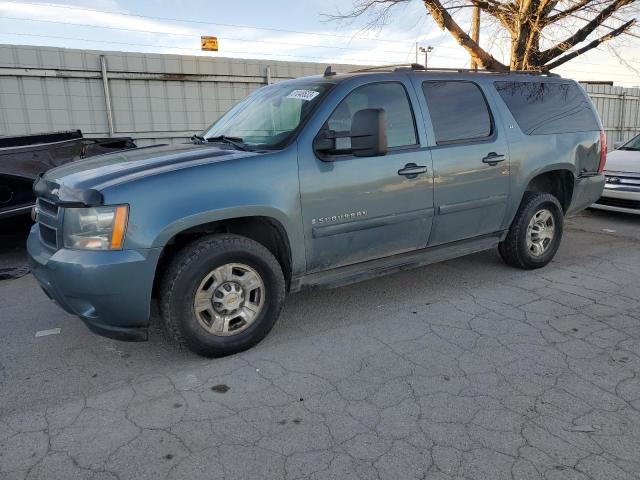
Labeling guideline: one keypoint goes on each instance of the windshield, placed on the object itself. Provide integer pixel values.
(270, 116)
(633, 144)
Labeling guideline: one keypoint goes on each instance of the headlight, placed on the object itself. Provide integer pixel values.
(95, 228)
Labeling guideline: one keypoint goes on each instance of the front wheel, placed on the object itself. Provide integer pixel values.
(222, 294)
(536, 232)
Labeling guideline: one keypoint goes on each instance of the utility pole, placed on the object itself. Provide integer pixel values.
(416, 52)
(475, 32)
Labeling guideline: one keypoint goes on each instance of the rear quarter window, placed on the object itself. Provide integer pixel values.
(548, 107)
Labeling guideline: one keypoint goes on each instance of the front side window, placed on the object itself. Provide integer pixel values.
(270, 116)
(458, 111)
(389, 96)
(548, 107)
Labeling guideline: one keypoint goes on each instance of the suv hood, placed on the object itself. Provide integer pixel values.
(623, 161)
(81, 181)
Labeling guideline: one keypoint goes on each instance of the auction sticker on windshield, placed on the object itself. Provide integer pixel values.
(306, 95)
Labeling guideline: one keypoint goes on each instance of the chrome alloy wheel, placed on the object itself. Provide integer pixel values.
(229, 299)
(540, 232)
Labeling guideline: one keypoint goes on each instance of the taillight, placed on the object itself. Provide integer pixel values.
(603, 151)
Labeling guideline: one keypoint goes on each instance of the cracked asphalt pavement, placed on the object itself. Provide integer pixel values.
(462, 370)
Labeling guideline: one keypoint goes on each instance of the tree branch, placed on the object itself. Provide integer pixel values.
(446, 22)
(498, 10)
(584, 32)
(612, 34)
(568, 12)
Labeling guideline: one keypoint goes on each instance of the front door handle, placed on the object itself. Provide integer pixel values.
(411, 170)
(493, 158)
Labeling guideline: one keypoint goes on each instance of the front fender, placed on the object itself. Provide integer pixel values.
(161, 206)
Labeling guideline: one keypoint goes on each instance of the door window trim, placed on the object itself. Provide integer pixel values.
(399, 148)
(488, 138)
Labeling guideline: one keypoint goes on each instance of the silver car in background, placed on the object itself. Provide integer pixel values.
(622, 174)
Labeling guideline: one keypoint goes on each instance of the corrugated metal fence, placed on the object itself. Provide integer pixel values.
(150, 97)
(166, 98)
(619, 110)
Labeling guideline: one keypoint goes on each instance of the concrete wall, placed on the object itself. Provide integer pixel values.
(166, 98)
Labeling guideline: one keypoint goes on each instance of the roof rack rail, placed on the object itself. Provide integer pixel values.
(496, 72)
(417, 67)
(390, 68)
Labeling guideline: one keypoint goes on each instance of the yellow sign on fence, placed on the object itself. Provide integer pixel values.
(209, 44)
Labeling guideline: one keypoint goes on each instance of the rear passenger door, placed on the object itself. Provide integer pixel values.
(470, 160)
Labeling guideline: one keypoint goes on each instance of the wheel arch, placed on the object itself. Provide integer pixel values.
(264, 229)
(559, 181)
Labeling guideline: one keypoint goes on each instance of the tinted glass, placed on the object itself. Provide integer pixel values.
(391, 97)
(544, 107)
(458, 111)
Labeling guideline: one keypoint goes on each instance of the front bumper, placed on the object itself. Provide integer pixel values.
(110, 291)
(619, 198)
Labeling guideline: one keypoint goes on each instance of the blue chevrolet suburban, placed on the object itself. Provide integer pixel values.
(315, 182)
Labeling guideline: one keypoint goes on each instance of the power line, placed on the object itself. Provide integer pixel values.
(259, 53)
(59, 22)
(333, 59)
(227, 38)
(202, 22)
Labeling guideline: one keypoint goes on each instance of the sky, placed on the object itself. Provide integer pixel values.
(277, 29)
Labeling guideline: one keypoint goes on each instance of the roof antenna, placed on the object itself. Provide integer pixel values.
(328, 72)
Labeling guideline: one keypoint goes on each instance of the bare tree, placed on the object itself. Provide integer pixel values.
(543, 33)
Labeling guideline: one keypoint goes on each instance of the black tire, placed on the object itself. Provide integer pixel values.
(184, 275)
(514, 250)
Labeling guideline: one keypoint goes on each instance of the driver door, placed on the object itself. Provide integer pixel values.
(356, 209)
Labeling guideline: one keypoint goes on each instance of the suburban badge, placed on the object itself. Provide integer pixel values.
(342, 216)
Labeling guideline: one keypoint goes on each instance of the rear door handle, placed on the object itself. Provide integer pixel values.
(411, 170)
(493, 158)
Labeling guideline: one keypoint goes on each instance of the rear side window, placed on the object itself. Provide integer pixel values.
(458, 110)
(548, 107)
(390, 96)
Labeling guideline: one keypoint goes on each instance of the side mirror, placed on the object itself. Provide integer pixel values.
(369, 133)
(367, 138)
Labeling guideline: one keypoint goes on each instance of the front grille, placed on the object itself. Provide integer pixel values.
(619, 202)
(48, 222)
(48, 207)
(48, 235)
(622, 179)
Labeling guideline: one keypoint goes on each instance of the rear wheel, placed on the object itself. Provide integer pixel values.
(536, 232)
(222, 294)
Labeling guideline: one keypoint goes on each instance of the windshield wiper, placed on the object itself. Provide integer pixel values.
(197, 138)
(234, 141)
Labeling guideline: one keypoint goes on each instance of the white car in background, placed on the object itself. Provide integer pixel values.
(622, 173)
